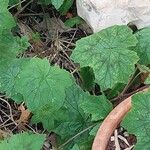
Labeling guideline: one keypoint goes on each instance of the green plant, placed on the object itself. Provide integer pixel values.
(73, 21)
(110, 59)
(23, 141)
(61, 5)
(140, 124)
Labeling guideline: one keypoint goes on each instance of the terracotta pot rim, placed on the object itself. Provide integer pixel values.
(110, 124)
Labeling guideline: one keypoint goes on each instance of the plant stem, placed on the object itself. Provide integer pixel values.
(16, 4)
(22, 9)
(129, 94)
(133, 77)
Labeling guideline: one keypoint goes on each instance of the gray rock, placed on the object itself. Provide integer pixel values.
(100, 14)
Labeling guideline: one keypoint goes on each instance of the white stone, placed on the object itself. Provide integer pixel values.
(100, 14)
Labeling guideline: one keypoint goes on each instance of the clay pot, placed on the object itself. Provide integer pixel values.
(110, 124)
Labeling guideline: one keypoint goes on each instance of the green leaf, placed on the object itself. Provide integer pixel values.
(45, 2)
(13, 2)
(40, 84)
(4, 5)
(87, 77)
(147, 80)
(76, 117)
(107, 52)
(75, 147)
(11, 46)
(69, 117)
(93, 132)
(81, 135)
(73, 21)
(9, 77)
(57, 3)
(6, 19)
(83, 145)
(23, 42)
(142, 47)
(23, 141)
(68, 129)
(72, 99)
(86, 143)
(76, 122)
(40, 88)
(65, 6)
(8, 45)
(137, 120)
(97, 106)
(115, 91)
(48, 115)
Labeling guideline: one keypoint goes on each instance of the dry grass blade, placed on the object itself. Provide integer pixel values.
(10, 110)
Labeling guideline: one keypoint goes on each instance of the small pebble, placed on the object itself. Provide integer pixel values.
(126, 134)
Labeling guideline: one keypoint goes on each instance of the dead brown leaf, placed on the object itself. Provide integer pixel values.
(25, 115)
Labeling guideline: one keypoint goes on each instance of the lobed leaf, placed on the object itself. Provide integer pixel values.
(97, 106)
(6, 19)
(23, 141)
(9, 76)
(75, 147)
(8, 46)
(42, 84)
(137, 120)
(142, 47)
(66, 6)
(79, 119)
(76, 119)
(49, 115)
(13, 2)
(75, 122)
(94, 130)
(87, 77)
(107, 52)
